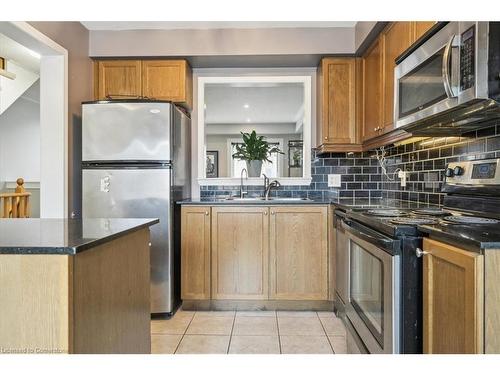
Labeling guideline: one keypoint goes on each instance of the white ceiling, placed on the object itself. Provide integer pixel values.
(275, 104)
(22, 56)
(176, 25)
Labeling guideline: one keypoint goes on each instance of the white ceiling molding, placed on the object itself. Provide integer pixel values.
(15, 52)
(204, 25)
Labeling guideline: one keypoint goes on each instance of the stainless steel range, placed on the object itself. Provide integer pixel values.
(381, 300)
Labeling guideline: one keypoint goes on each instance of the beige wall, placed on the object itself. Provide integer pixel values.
(223, 42)
(75, 38)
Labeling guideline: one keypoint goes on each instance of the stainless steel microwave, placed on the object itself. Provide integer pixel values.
(450, 83)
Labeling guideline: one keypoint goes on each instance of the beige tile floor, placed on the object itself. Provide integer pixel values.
(248, 332)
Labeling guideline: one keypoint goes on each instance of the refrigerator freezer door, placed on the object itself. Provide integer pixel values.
(138, 193)
(126, 131)
(181, 140)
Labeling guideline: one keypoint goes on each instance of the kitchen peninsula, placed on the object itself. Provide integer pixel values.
(75, 286)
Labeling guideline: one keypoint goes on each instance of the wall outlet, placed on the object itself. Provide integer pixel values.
(333, 180)
(402, 176)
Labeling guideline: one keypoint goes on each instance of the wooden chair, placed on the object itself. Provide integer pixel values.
(17, 204)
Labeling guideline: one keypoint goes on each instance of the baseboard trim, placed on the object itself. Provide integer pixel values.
(247, 305)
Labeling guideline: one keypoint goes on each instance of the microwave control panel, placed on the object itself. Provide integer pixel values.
(467, 60)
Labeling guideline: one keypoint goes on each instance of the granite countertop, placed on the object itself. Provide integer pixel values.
(63, 236)
(470, 237)
(252, 201)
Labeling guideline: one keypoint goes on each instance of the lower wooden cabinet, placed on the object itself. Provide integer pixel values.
(254, 253)
(195, 254)
(453, 299)
(299, 253)
(240, 252)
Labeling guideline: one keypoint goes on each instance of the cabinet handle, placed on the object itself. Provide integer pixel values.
(272, 212)
(326, 138)
(207, 213)
(419, 252)
(265, 213)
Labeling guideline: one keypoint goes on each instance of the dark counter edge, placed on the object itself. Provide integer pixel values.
(460, 242)
(222, 202)
(73, 250)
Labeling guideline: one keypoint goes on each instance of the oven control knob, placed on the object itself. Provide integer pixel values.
(458, 171)
(448, 172)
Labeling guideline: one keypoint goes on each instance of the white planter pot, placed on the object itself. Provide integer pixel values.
(254, 168)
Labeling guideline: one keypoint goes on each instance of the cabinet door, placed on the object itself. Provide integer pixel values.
(195, 253)
(118, 79)
(167, 80)
(372, 91)
(420, 28)
(240, 251)
(395, 40)
(338, 96)
(453, 299)
(299, 253)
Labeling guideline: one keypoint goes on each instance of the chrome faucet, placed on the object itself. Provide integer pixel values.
(268, 186)
(242, 193)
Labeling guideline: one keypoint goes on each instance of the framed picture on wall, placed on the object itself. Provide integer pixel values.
(212, 164)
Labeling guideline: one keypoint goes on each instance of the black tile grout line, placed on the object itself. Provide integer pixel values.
(184, 334)
(278, 328)
(326, 334)
(231, 334)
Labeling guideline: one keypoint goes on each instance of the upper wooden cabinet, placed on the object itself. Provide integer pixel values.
(372, 91)
(336, 105)
(378, 75)
(155, 79)
(168, 80)
(240, 253)
(119, 79)
(420, 28)
(453, 300)
(395, 39)
(299, 263)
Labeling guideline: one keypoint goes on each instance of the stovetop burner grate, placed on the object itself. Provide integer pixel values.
(386, 213)
(430, 212)
(413, 221)
(470, 220)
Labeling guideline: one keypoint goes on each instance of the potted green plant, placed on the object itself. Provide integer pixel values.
(254, 150)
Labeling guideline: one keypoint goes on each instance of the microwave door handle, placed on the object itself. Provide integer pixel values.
(446, 68)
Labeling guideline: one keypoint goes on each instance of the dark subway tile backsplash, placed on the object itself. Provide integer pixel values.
(426, 176)
(362, 178)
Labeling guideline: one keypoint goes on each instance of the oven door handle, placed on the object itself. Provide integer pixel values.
(445, 72)
(375, 239)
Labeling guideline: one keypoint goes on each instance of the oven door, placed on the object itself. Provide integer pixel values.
(374, 284)
(341, 264)
(426, 82)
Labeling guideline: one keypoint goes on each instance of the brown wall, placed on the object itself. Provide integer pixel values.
(75, 38)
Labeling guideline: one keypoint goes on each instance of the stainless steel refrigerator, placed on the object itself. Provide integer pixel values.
(136, 163)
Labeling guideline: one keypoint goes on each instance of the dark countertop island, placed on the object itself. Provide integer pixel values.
(75, 286)
(63, 236)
